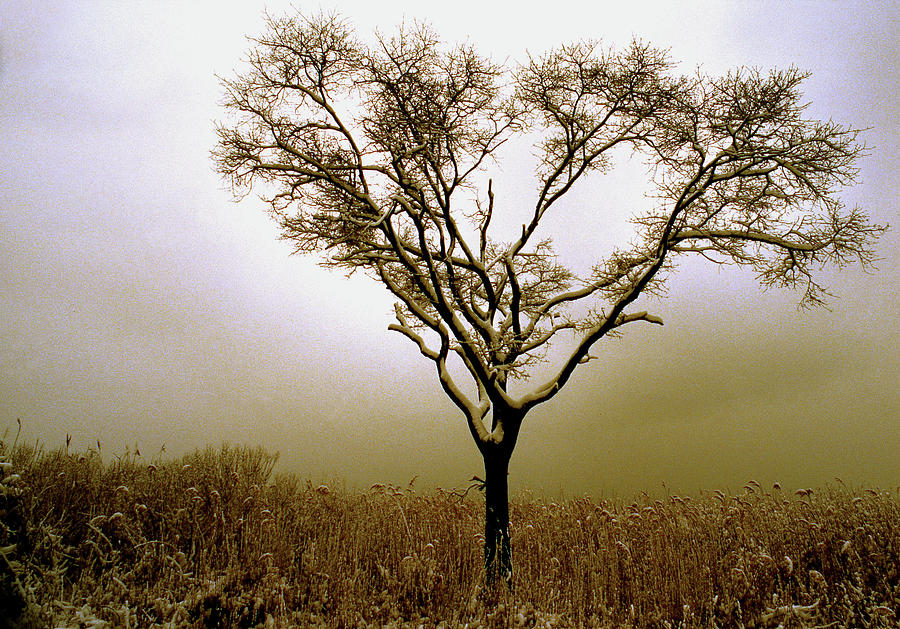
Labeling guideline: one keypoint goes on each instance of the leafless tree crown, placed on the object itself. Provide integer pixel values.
(375, 157)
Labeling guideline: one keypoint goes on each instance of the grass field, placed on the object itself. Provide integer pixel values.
(215, 539)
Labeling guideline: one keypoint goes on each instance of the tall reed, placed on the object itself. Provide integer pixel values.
(216, 539)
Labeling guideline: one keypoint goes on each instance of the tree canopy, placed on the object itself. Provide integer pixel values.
(375, 158)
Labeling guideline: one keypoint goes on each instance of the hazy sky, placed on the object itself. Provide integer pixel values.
(140, 305)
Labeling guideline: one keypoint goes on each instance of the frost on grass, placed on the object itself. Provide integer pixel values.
(214, 539)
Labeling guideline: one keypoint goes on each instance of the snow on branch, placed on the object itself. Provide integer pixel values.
(378, 158)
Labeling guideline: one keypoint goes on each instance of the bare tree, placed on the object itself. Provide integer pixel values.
(377, 158)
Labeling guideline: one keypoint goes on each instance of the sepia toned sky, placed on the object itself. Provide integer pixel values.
(142, 307)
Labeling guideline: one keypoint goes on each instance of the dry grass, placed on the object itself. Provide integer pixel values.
(213, 539)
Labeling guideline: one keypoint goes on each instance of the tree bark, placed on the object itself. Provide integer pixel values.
(497, 552)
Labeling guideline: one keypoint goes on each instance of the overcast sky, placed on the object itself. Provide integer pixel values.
(140, 306)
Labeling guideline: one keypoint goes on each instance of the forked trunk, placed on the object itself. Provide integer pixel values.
(497, 555)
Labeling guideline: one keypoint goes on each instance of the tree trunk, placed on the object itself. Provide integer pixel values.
(497, 556)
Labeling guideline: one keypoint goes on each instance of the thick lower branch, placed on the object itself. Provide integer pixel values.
(614, 319)
(474, 413)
